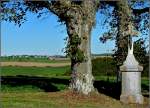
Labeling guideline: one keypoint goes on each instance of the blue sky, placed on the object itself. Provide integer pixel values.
(45, 36)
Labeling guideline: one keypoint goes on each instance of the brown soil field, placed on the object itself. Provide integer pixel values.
(35, 64)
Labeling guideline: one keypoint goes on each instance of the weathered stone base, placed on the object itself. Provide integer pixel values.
(134, 99)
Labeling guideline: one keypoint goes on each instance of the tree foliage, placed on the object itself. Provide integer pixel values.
(140, 51)
(126, 21)
(73, 50)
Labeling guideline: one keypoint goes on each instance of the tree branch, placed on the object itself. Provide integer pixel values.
(140, 11)
(135, 11)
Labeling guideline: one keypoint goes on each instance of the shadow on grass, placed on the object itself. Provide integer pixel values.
(108, 88)
(47, 84)
(113, 89)
(44, 83)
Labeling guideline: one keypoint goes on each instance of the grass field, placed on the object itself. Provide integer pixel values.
(64, 99)
(47, 87)
(34, 71)
(59, 72)
(31, 59)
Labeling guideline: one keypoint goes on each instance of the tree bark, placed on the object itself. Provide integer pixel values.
(82, 78)
(81, 24)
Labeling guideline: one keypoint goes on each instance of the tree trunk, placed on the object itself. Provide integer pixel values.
(81, 24)
(125, 31)
(82, 78)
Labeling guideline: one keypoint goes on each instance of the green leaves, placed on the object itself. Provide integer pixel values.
(73, 50)
(15, 11)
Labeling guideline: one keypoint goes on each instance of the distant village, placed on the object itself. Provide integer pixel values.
(53, 57)
(36, 56)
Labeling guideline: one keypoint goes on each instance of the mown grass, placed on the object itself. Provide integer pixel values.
(47, 73)
(34, 71)
(51, 72)
(50, 100)
(30, 87)
(62, 100)
(22, 88)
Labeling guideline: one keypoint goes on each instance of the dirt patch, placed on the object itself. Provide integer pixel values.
(35, 64)
(94, 100)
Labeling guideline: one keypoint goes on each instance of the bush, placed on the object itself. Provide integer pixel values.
(100, 66)
(145, 72)
(105, 66)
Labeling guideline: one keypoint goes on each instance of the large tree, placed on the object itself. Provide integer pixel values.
(79, 17)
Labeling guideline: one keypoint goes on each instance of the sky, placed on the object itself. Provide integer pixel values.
(45, 36)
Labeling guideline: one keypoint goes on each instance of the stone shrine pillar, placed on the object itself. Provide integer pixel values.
(131, 79)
